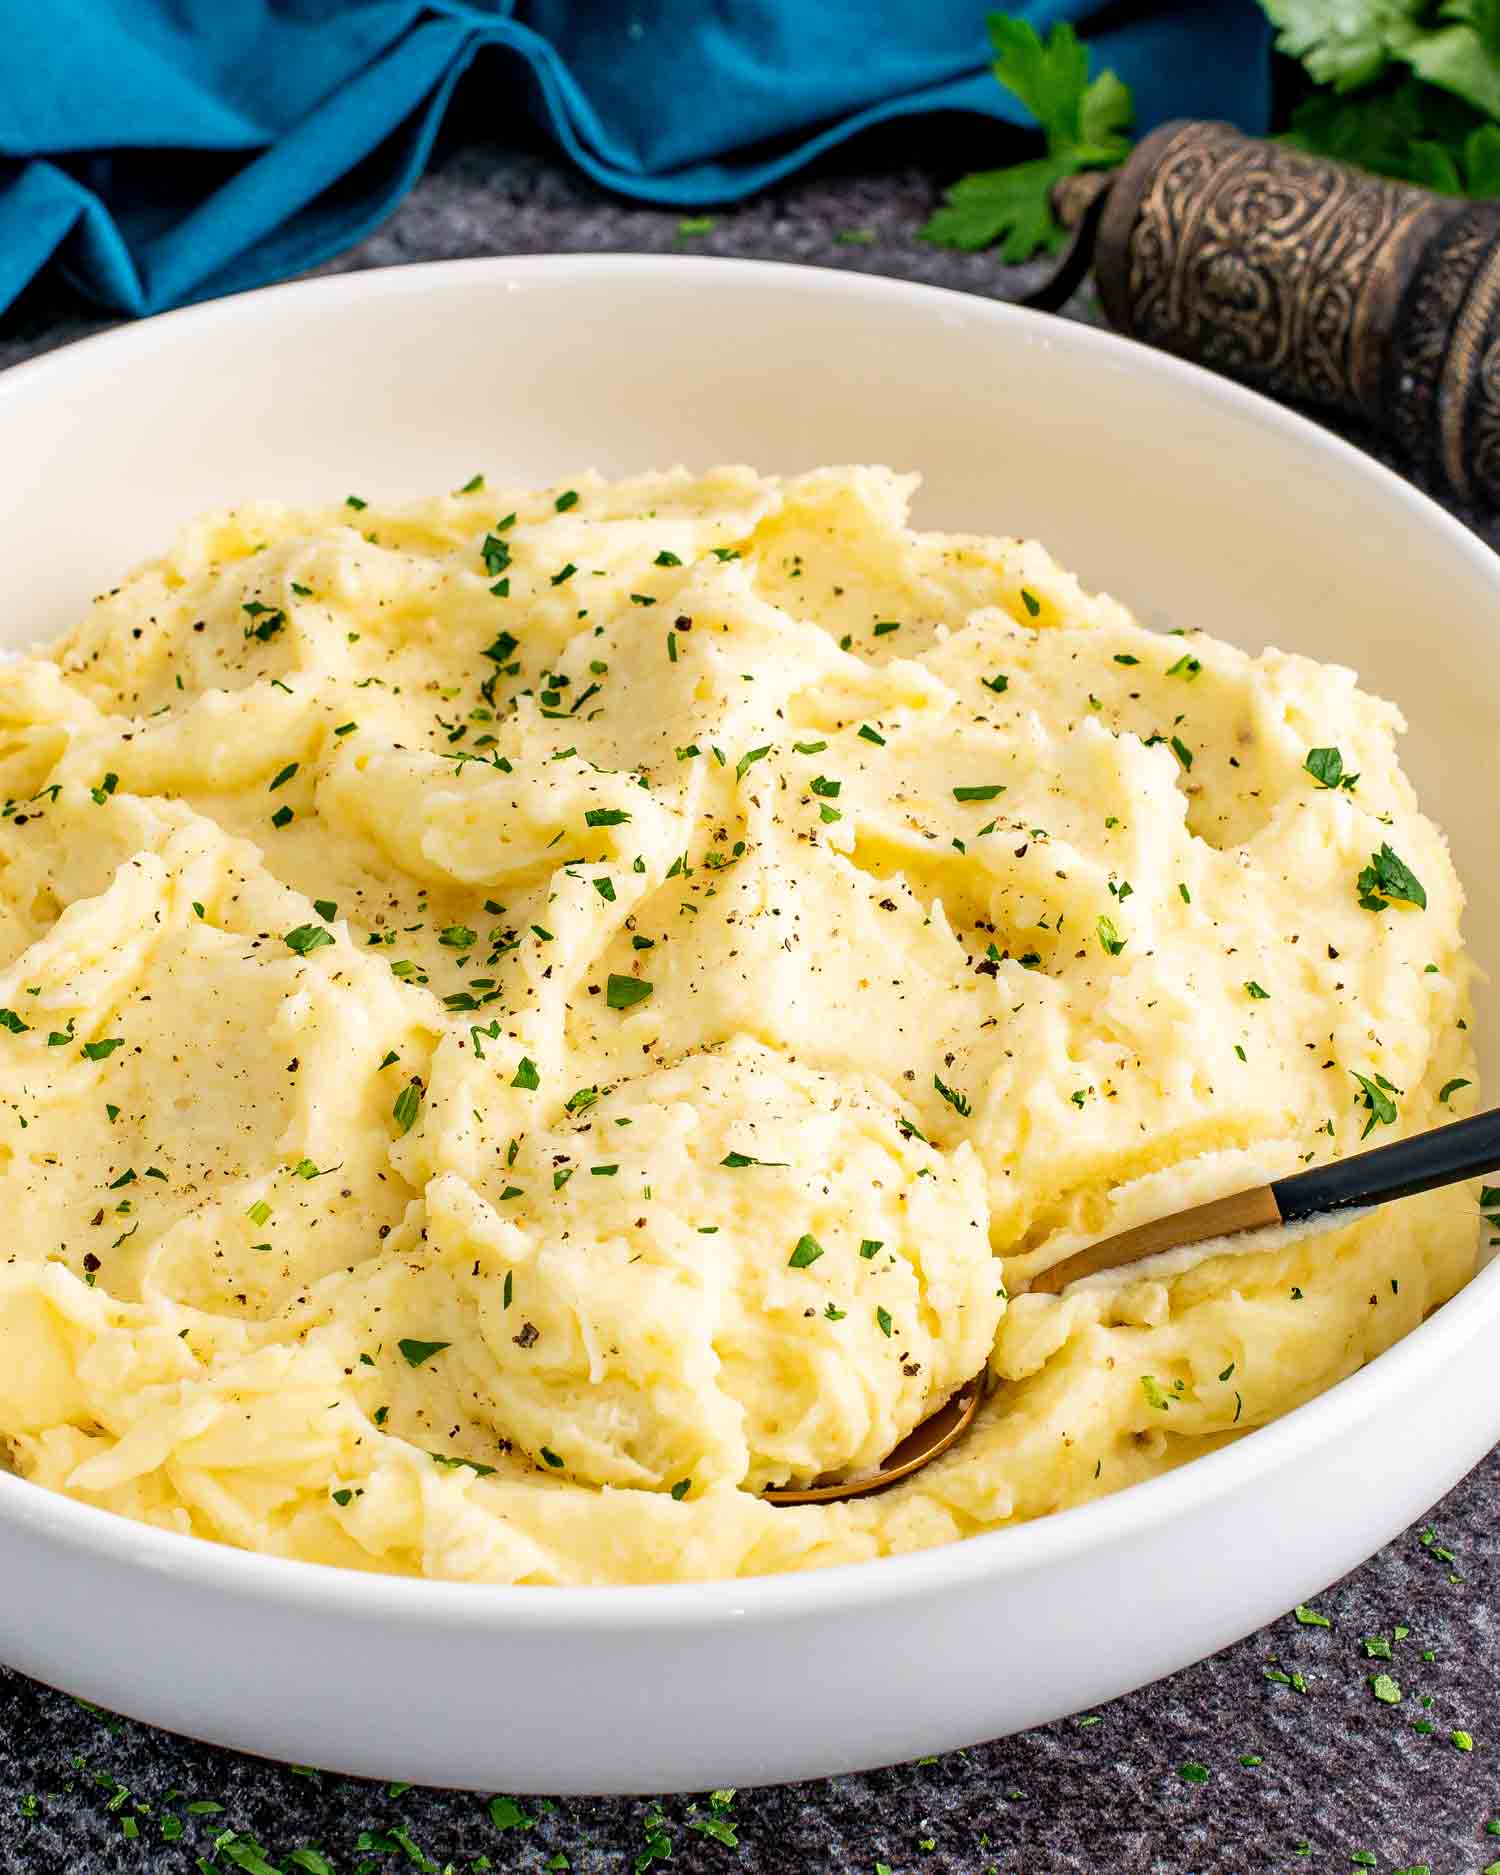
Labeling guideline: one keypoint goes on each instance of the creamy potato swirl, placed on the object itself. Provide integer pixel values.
(532, 1016)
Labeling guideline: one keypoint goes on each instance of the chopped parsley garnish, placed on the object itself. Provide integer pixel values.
(353, 501)
(1256, 993)
(503, 649)
(307, 937)
(829, 789)
(1032, 604)
(564, 574)
(1389, 880)
(667, 558)
(325, 908)
(999, 683)
(1450, 1087)
(749, 758)
(458, 937)
(869, 1246)
(887, 626)
(957, 1101)
(606, 816)
(283, 817)
(10, 1020)
(1376, 1098)
(809, 748)
(738, 1159)
(551, 1458)
(871, 735)
(1110, 937)
(1186, 666)
(806, 1251)
(1326, 766)
(1181, 750)
(987, 792)
(625, 992)
(415, 1352)
(526, 1075)
(408, 1106)
(883, 1322)
(681, 1489)
(1124, 657)
(266, 621)
(567, 499)
(282, 775)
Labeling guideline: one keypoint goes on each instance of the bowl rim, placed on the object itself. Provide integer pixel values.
(332, 1590)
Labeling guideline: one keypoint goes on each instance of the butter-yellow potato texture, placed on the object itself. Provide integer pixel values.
(533, 1016)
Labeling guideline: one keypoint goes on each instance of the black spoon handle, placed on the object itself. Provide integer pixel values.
(1444, 1156)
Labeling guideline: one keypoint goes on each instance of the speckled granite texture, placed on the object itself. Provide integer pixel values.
(1275, 1756)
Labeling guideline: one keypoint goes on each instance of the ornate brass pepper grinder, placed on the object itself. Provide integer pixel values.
(1311, 281)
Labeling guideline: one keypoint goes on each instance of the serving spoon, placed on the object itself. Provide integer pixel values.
(1320, 1198)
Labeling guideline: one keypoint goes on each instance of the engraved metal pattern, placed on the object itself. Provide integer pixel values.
(1418, 354)
(1261, 262)
(1316, 283)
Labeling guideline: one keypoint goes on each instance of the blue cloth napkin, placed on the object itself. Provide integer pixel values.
(161, 151)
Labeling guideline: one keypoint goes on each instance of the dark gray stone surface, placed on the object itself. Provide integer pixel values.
(1338, 1775)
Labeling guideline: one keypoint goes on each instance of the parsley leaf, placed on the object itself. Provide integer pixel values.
(1388, 878)
(957, 1101)
(1082, 120)
(1326, 766)
(806, 1251)
(408, 1106)
(1376, 1099)
(415, 1352)
(307, 937)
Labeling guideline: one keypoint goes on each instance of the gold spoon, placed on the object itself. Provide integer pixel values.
(1445, 1156)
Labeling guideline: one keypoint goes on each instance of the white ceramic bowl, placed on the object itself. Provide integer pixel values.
(1194, 502)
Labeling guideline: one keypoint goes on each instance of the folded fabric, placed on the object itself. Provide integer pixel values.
(161, 151)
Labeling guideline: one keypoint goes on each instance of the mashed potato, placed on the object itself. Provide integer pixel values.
(532, 1017)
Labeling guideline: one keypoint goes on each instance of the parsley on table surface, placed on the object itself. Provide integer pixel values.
(1083, 121)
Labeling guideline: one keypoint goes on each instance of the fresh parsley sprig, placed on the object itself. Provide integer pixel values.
(1084, 122)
